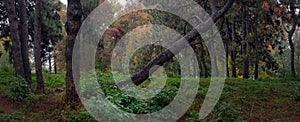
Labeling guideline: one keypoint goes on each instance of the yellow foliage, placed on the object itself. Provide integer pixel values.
(264, 75)
(2, 41)
(261, 63)
(272, 50)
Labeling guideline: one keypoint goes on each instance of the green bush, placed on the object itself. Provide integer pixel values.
(55, 80)
(5, 65)
(82, 117)
(227, 112)
(296, 95)
(18, 89)
(15, 117)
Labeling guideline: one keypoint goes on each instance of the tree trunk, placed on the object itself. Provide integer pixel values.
(233, 68)
(202, 61)
(74, 15)
(293, 70)
(290, 39)
(233, 53)
(24, 39)
(55, 65)
(256, 70)
(245, 47)
(298, 61)
(213, 60)
(14, 32)
(37, 45)
(226, 44)
(227, 67)
(50, 63)
(165, 56)
(201, 58)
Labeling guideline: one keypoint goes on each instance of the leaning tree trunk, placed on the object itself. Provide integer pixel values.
(37, 45)
(15, 37)
(74, 15)
(165, 56)
(24, 39)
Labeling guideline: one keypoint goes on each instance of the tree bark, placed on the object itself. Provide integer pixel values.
(226, 43)
(233, 68)
(37, 45)
(74, 16)
(201, 58)
(55, 65)
(24, 39)
(15, 37)
(290, 39)
(165, 56)
(202, 61)
(293, 70)
(245, 47)
(50, 63)
(233, 53)
(256, 70)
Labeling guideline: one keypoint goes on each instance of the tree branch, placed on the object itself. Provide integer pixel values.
(212, 4)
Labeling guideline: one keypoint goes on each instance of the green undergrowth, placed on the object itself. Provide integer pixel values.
(241, 100)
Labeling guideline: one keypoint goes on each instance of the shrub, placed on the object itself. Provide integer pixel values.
(82, 117)
(5, 65)
(15, 117)
(55, 80)
(18, 89)
(296, 95)
(227, 112)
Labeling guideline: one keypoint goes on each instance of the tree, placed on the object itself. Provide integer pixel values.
(14, 32)
(74, 16)
(166, 55)
(24, 37)
(37, 45)
(52, 30)
(293, 19)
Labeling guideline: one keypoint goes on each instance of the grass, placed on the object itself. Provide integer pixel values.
(249, 100)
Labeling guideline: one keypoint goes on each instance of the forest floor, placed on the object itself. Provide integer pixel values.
(268, 100)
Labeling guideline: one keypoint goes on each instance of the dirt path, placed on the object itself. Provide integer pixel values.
(7, 106)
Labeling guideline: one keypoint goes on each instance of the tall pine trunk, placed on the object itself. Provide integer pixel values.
(24, 39)
(15, 37)
(74, 15)
(37, 45)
